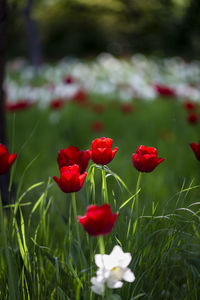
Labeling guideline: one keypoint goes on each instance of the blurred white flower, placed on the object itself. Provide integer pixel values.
(104, 76)
(112, 269)
(98, 286)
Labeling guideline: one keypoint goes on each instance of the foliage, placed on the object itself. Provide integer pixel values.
(83, 27)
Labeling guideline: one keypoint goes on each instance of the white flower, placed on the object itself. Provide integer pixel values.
(112, 269)
(98, 287)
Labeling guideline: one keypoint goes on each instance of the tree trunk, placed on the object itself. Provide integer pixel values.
(4, 179)
(32, 35)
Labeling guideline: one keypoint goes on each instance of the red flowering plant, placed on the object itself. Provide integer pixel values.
(72, 164)
(72, 155)
(19, 105)
(192, 118)
(164, 90)
(145, 159)
(97, 126)
(189, 105)
(70, 179)
(81, 97)
(102, 153)
(127, 108)
(191, 109)
(69, 79)
(196, 149)
(6, 159)
(57, 103)
(98, 220)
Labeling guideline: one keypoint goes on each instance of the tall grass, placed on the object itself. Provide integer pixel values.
(46, 254)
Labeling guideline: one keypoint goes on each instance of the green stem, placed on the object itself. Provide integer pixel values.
(75, 217)
(104, 186)
(108, 293)
(101, 245)
(137, 195)
(136, 202)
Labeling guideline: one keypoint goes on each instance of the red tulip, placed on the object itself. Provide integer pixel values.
(6, 160)
(145, 159)
(189, 105)
(164, 90)
(98, 220)
(196, 149)
(127, 108)
(57, 103)
(192, 118)
(69, 79)
(102, 152)
(19, 105)
(73, 156)
(97, 126)
(70, 179)
(81, 97)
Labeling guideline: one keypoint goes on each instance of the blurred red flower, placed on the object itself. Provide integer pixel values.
(145, 159)
(97, 126)
(57, 103)
(98, 220)
(19, 105)
(81, 97)
(6, 160)
(102, 152)
(164, 90)
(189, 105)
(73, 156)
(70, 179)
(192, 118)
(127, 108)
(196, 149)
(69, 79)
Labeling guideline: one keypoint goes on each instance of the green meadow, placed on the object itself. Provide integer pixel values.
(41, 255)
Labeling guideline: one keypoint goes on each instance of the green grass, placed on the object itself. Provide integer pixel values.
(42, 257)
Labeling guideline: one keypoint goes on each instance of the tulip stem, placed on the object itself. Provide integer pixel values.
(136, 202)
(101, 245)
(104, 186)
(137, 195)
(75, 216)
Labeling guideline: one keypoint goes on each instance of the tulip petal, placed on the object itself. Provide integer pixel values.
(12, 158)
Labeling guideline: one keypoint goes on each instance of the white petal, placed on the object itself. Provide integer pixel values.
(109, 262)
(125, 260)
(114, 284)
(102, 273)
(103, 261)
(120, 258)
(98, 286)
(97, 280)
(99, 260)
(117, 251)
(128, 276)
(98, 289)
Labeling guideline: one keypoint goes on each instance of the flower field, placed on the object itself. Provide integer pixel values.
(104, 180)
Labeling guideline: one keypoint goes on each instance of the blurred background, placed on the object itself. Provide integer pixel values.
(100, 60)
(51, 29)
